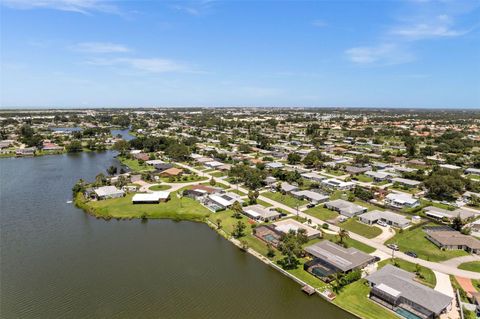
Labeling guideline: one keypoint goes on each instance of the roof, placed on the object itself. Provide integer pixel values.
(286, 225)
(107, 191)
(172, 171)
(454, 238)
(401, 198)
(288, 187)
(274, 165)
(375, 215)
(406, 181)
(337, 183)
(311, 195)
(147, 197)
(440, 212)
(313, 175)
(260, 211)
(345, 206)
(342, 258)
(393, 279)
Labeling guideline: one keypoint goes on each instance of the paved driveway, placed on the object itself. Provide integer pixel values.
(455, 262)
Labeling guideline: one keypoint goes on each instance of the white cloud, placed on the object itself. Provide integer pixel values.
(319, 23)
(100, 47)
(150, 65)
(384, 54)
(438, 27)
(79, 6)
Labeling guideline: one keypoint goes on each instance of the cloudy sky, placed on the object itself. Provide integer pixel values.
(93, 53)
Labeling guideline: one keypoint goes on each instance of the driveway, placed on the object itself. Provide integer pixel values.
(387, 233)
(455, 262)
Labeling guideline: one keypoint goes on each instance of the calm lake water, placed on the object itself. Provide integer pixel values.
(57, 262)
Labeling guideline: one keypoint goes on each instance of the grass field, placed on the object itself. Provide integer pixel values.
(135, 166)
(159, 187)
(428, 275)
(288, 200)
(351, 243)
(176, 209)
(321, 213)
(360, 228)
(415, 240)
(471, 266)
(218, 174)
(364, 178)
(354, 298)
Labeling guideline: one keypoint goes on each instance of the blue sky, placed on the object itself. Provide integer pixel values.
(92, 53)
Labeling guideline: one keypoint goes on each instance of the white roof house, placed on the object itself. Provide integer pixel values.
(313, 176)
(286, 225)
(108, 192)
(338, 184)
(259, 212)
(401, 200)
(213, 164)
(389, 217)
(153, 197)
(225, 199)
(274, 165)
(311, 196)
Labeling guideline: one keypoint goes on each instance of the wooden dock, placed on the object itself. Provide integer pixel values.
(309, 290)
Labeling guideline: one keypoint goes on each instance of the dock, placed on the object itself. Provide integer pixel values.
(309, 290)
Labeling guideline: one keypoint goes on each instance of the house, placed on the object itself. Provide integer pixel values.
(270, 180)
(268, 234)
(287, 188)
(397, 289)
(467, 196)
(345, 208)
(311, 196)
(330, 258)
(197, 191)
(154, 162)
(440, 213)
(401, 200)
(474, 171)
(160, 167)
(453, 240)
(224, 199)
(258, 212)
(51, 147)
(312, 176)
(142, 156)
(172, 171)
(355, 170)
(213, 164)
(105, 192)
(284, 226)
(449, 167)
(379, 176)
(391, 218)
(333, 183)
(29, 151)
(274, 165)
(151, 198)
(408, 183)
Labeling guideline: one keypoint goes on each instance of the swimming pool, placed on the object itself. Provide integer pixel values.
(406, 314)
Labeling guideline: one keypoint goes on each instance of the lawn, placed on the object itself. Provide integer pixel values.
(236, 191)
(428, 275)
(351, 243)
(186, 178)
(217, 184)
(321, 213)
(360, 228)
(363, 178)
(135, 166)
(218, 174)
(177, 209)
(159, 187)
(471, 266)
(354, 298)
(415, 240)
(288, 200)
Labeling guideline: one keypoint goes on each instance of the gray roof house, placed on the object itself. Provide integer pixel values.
(105, 192)
(401, 200)
(337, 258)
(406, 182)
(439, 213)
(258, 212)
(345, 208)
(391, 218)
(313, 197)
(397, 289)
(287, 188)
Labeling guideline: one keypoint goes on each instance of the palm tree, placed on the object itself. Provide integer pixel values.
(343, 234)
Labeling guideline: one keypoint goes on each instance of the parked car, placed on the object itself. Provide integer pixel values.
(393, 246)
(411, 254)
(382, 223)
(310, 205)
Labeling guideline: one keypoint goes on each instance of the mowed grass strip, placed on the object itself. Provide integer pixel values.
(286, 199)
(471, 266)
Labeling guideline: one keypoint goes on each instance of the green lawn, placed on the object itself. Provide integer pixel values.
(415, 240)
(218, 174)
(360, 228)
(351, 243)
(238, 192)
(159, 187)
(185, 178)
(135, 166)
(471, 266)
(288, 200)
(363, 178)
(175, 208)
(321, 213)
(217, 184)
(427, 274)
(335, 172)
(354, 298)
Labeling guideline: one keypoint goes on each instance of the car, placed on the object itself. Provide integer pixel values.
(382, 223)
(411, 254)
(310, 205)
(377, 259)
(393, 247)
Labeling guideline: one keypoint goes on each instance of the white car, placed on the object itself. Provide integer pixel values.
(382, 223)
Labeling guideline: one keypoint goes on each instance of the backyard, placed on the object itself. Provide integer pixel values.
(286, 199)
(360, 228)
(321, 213)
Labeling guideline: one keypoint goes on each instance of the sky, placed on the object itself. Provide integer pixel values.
(94, 53)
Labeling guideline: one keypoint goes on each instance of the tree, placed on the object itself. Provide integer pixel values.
(212, 182)
(237, 210)
(444, 184)
(112, 170)
(457, 223)
(178, 152)
(238, 230)
(219, 223)
(270, 251)
(343, 234)
(293, 158)
(74, 146)
(121, 146)
(78, 187)
(100, 180)
(121, 182)
(252, 196)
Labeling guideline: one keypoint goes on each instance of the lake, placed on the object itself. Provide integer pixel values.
(57, 262)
